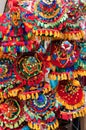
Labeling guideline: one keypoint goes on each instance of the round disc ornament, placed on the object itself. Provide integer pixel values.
(11, 113)
(8, 80)
(65, 55)
(50, 13)
(28, 66)
(70, 94)
(42, 105)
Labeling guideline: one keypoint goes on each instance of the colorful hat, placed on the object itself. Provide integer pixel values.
(30, 68)
(8, 80)
(42, 104)
(66, 61)
(15, 30)
(11, 113)
(70, 94)
(64, 55)
(52, 19)
(39, 111)
(50, 14)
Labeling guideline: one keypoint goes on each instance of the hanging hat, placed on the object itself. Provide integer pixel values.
(29, 67)
(15, 30)
(42, 104)
(8, 80)
(64, 55)
(49, 14)
(11, 113)
(42, 107)
(70, 94)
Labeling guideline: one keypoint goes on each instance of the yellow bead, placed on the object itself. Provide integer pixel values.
(24, 97)
(28, 96)
(46, 33)
(51, 33)
(32, 95)
(36, 95)
(36, 33)
(55, 34)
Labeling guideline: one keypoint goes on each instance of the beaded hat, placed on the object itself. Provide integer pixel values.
(11, 113)
(8, 80)
(50, 13)
(70, 94)
(41, 112)
(29, 67)
(64, 55)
